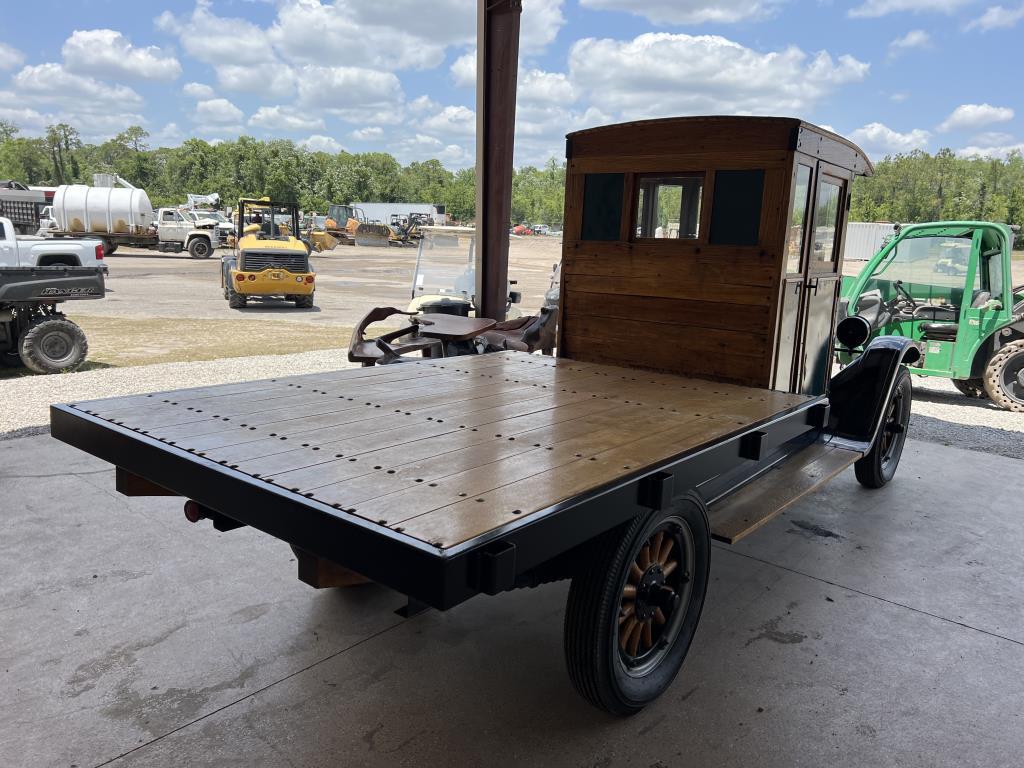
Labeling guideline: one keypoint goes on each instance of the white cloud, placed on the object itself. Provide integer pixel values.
(53, 83)
(168, 136)
(660, 74)
(453, 120)
(198, 90)
(214, 39)
(370, 133)
(280, 118)
(421, 146)
(876, 8)
(992, 139)
(915, 38)
(972, 116)
(540, 23)
(899, 97)
(997, 17)
(108, 53)
(422, 104)
(689, 11)
(320, 143)
(536, 85)
(463, 70)
(364, 95)
(10, 57)
(276, 80)
(218, 111)
(878, 139)
(1000, 152)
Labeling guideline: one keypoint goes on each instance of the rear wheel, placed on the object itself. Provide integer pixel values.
(1004, 377)
(632, 615)
(878, 466)
(53, 344)
(970, 387)
(199, 248)
(304, 302)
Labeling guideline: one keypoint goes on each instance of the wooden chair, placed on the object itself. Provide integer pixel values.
(380, 349)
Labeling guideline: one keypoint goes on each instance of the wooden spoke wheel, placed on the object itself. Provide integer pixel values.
(633, 612)
(878, 466)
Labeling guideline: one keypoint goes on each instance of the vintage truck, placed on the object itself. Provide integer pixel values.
(35, 276)
(691, 398)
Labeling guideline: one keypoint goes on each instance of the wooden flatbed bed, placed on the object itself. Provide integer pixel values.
(442, 456)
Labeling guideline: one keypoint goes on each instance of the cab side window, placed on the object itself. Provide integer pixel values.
(668, 206)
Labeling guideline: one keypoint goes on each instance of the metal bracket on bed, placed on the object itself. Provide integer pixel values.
(656, 491)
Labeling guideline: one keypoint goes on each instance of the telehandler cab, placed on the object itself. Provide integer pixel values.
(268, 260)
(948, 286)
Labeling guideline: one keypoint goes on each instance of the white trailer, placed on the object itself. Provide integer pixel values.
(865, 238)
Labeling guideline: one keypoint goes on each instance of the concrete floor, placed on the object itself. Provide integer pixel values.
(858, 629)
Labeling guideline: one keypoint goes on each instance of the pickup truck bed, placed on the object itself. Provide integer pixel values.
(424, 475)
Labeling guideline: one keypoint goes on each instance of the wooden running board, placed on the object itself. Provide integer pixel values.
(760, 500)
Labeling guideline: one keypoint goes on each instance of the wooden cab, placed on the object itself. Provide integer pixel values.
(707, 246)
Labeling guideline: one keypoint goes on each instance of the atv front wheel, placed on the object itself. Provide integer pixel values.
(1004, 377)
(53, 344)
(971, 387)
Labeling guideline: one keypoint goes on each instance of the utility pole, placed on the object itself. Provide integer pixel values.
(497, 64)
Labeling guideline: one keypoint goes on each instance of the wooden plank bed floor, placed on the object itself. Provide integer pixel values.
(446, 450)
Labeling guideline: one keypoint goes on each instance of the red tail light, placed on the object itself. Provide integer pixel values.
(239, 277)
(252, 277)
(309, 278)
(99, 252)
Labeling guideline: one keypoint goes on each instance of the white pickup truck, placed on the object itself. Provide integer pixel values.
(36, 275)
(28, 251)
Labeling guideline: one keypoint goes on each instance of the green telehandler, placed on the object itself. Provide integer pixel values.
(949, 287)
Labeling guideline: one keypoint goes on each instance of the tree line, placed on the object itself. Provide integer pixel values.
(278, 168)
(906, 188)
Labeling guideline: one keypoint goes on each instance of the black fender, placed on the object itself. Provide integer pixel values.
(858, 394)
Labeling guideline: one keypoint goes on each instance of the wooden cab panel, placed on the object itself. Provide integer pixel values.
(675, 244)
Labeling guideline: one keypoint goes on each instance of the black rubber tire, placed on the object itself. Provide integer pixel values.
(304, 302)
(592, 610)
(200, 248)
(878, 466)
(973, 388)
(53, 344)
(1011, 354)
(235, 300)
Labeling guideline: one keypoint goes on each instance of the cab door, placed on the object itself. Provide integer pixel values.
(812, 279)
(821, 297)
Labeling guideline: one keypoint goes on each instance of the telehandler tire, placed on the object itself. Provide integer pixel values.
(53, 344)
(304, 302)
(1004, 377)
(974, 388)
(235, 299)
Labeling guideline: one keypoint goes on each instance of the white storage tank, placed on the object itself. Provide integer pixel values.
(81, 208)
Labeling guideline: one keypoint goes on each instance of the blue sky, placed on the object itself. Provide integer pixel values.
(893, 75)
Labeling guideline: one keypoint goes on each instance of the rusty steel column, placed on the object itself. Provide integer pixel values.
(497, 64)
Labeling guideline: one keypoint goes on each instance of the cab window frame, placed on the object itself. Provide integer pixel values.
(639, 181)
